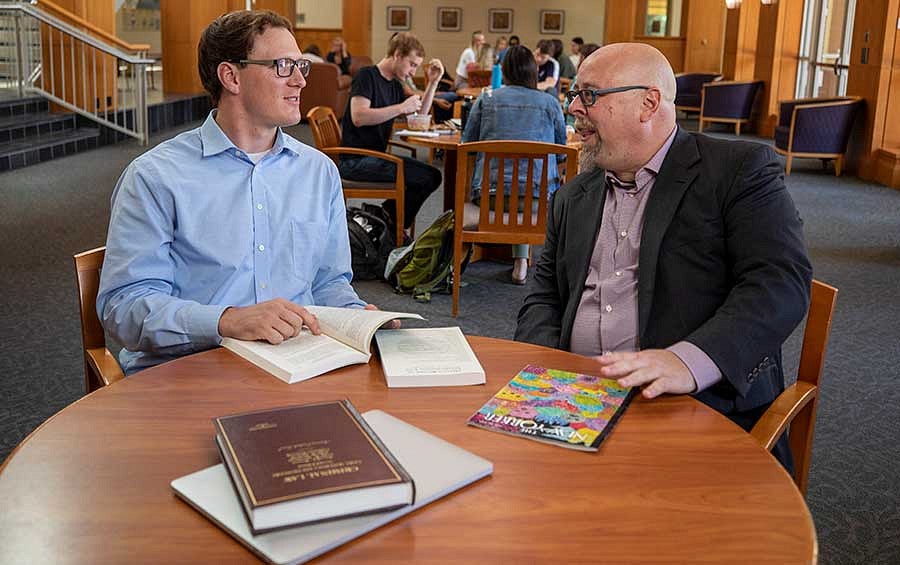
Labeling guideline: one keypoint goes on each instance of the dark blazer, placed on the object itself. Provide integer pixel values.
(722, 265)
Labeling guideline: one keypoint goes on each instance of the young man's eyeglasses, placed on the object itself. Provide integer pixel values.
(284, 67)
(589, 95)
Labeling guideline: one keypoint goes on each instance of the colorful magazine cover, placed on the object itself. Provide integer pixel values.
(557, 407)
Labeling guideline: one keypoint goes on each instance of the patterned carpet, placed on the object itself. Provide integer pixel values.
(52, 210)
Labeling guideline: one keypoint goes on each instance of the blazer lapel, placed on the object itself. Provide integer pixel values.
(675, 176)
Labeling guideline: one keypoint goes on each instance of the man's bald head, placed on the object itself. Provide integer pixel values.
(634, 63)
(622, 129)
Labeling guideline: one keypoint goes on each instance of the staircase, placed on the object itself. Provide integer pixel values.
(30, 134)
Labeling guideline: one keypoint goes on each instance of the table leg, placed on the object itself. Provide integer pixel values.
(449, 179)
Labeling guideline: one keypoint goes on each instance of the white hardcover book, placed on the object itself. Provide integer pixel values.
(436, 466)
(345, 340)
(428, 357)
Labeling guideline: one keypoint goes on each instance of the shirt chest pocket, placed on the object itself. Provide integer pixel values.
(307, 241)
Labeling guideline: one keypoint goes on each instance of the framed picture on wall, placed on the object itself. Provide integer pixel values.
(399, 18)
(500, 20)
(553, 21)
(449, 19)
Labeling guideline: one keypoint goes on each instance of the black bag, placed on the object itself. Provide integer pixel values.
(371, 241)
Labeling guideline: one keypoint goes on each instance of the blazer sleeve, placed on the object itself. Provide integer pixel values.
(540, 318)
(770, 270)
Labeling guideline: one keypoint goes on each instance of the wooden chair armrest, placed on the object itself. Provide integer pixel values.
(105, 364)
(773, 422)
(727, 83)
(335, 152)
(403, 145)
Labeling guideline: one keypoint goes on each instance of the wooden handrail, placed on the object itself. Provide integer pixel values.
(73, 19)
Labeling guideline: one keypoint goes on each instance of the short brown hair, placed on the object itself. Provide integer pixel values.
(230, 37)
(405, 43)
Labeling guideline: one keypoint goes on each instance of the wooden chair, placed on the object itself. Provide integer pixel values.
(728, 102)
(100, 367)
(797, 405)
(527, 227)
(327, 135)
(816, 128)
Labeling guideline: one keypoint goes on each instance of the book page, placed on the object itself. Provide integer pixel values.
(427, 351)
(354, 326)
(299, 357)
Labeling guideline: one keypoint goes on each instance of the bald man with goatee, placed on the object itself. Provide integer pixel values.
(675, 260)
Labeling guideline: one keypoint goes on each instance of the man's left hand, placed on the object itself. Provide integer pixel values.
(392, 325)
(659, 371)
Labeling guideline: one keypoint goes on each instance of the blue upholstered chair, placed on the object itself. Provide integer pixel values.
(689, 89)
(816, 128)
(729, 102)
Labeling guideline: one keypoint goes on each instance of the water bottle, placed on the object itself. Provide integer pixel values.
(496, 77)
(464, 111)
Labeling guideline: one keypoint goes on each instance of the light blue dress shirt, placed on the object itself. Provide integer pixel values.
(196, 227)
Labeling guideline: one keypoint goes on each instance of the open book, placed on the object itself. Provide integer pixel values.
(345, 339)
(428, 357)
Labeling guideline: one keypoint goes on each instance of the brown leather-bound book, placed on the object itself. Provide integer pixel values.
(309, 463)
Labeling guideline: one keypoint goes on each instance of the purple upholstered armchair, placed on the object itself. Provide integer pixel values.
(688, 89)
(817, 128)
(729, 102)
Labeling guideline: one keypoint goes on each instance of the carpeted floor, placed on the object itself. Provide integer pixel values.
(52, 210)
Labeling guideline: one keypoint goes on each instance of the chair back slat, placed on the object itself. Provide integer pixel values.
(87, 270)
(325, 129)
(818, 328)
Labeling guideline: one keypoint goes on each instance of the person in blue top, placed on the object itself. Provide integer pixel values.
(228, 229)
(516, 111)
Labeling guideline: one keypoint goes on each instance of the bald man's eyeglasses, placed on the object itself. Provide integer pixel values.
(284, 67)
(589, 95)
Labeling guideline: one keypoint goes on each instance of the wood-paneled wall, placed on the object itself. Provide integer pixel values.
(777, 58)
(739, 56)
(878, 82)
(704, 26)
(357, 24)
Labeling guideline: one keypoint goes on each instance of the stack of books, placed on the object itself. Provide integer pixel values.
(299, 481)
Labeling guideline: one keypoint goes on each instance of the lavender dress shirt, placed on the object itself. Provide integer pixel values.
(607, 315)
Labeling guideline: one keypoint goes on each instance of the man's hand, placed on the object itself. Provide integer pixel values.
(435, 70)
(392, 325)
(657, 370)
(273, 321)
(441, 103)
(411, 105)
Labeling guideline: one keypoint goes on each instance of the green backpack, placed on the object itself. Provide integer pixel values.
(426, 265)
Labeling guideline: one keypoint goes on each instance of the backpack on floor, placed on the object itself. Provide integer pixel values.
(371, 242)
(425, 266)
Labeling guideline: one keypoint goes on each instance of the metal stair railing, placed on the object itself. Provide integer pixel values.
(74, 69)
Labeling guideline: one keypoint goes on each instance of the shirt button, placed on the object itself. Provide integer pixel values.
(262, 286)
(259, 206)
(607, 352)
(608, 308)
(261, 247)
(618, 273)
(630, 195)
(623, 233)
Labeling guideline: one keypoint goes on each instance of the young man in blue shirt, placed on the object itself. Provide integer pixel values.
(227, 229)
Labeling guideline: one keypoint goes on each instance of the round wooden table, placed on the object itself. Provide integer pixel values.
(674, 482)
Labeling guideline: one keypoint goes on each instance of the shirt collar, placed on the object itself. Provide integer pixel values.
(649, 171)
(214, 140)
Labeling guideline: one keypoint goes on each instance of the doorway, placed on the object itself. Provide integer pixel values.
(825, 48)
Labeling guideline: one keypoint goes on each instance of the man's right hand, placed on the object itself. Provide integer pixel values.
(273, 321)
(411, 105)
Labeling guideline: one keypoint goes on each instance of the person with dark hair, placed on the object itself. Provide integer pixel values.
(548, 68)
(513, 40)
(227, 230)
(377, 96)
(575, 48)
(584, 52)
(339, 55)
(516, 110)
(566, 68)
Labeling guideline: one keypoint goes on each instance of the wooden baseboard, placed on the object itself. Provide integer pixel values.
(887, 167)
